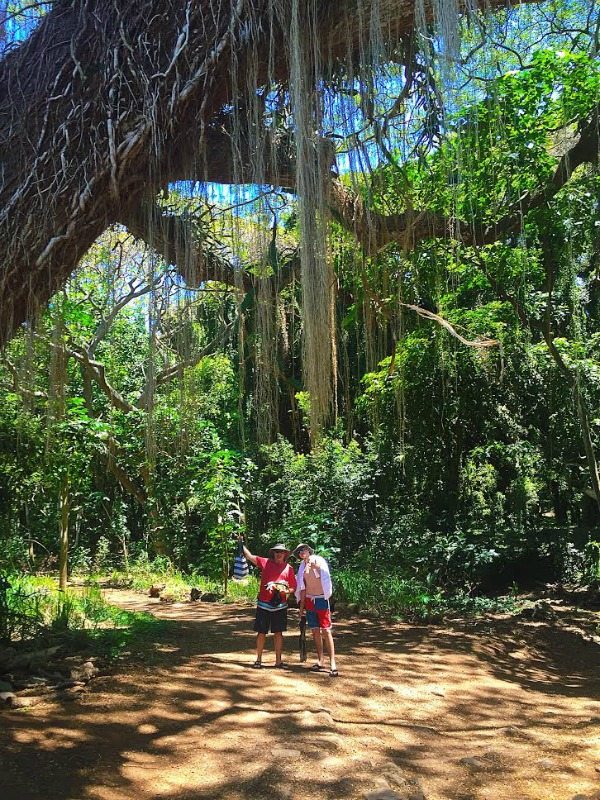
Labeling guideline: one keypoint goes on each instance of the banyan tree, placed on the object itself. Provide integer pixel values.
(106, 103)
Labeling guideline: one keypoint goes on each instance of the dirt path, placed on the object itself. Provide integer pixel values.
(494, 710)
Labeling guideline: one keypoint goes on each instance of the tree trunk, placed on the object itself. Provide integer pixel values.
(225, 553)
(125, 552)
(588, 443)
(549, 255)
(107, 102)
(64, 509)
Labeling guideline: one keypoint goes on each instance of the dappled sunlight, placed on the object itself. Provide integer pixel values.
(448, 708)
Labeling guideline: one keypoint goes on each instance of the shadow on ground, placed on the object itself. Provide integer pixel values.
(497, 708)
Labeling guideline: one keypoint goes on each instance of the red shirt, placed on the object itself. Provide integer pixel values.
(271, 571)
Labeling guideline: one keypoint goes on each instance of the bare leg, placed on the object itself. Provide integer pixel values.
(318, 645)
(278, 637)
(260, 645)
(328, 637)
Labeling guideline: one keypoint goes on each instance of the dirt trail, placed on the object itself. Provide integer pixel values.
(493, 710)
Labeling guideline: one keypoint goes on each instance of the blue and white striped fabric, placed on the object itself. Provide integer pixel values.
(240, 565)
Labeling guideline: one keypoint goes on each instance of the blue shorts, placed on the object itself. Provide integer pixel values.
(318, 614)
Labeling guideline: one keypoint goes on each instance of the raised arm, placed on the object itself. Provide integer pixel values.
(248, 555)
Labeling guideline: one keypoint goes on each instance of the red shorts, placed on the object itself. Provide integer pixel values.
(318, 614)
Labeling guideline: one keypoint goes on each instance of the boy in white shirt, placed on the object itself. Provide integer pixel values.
(313, 591)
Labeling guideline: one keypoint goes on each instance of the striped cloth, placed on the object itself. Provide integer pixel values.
(240, 565)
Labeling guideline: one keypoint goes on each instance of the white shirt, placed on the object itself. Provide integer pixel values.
(325, 576)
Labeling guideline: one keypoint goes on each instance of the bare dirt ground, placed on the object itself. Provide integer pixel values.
(498, 709)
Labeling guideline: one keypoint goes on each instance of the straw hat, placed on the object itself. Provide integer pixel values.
(303, 546)
(278, 547)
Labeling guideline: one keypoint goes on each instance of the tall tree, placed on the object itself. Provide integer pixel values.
(106, 102)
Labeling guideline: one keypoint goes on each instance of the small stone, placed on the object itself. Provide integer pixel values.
(25, 702)
(383, 794)
(30, 683)
(35, 691)
(88, 670)
(283, 753)
(69, 684)
(394, 774)
(515, 732)
(388, 687)
(492, 755)
(73, 693)
(472, 763)
(547, 763)
(519, 655)
(7, 698)
(438, 691)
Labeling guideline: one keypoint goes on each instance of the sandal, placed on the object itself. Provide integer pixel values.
(333, 673)
(281, 665)
(257, 665)
(316, 668)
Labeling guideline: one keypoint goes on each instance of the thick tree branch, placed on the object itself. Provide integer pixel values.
(125, 481)
(17, 383)
(136, 289)
(439, 320)
(98, 105)
(374, 231)
(97, 372)
(585, 150)
(178, 240)
(169, 373)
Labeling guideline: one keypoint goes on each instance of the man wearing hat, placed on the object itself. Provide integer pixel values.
(313, 591)
(277, 580)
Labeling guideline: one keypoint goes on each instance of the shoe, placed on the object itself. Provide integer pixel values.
(333, 673)
(316, 668)
(281, 665)
(257, 665)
